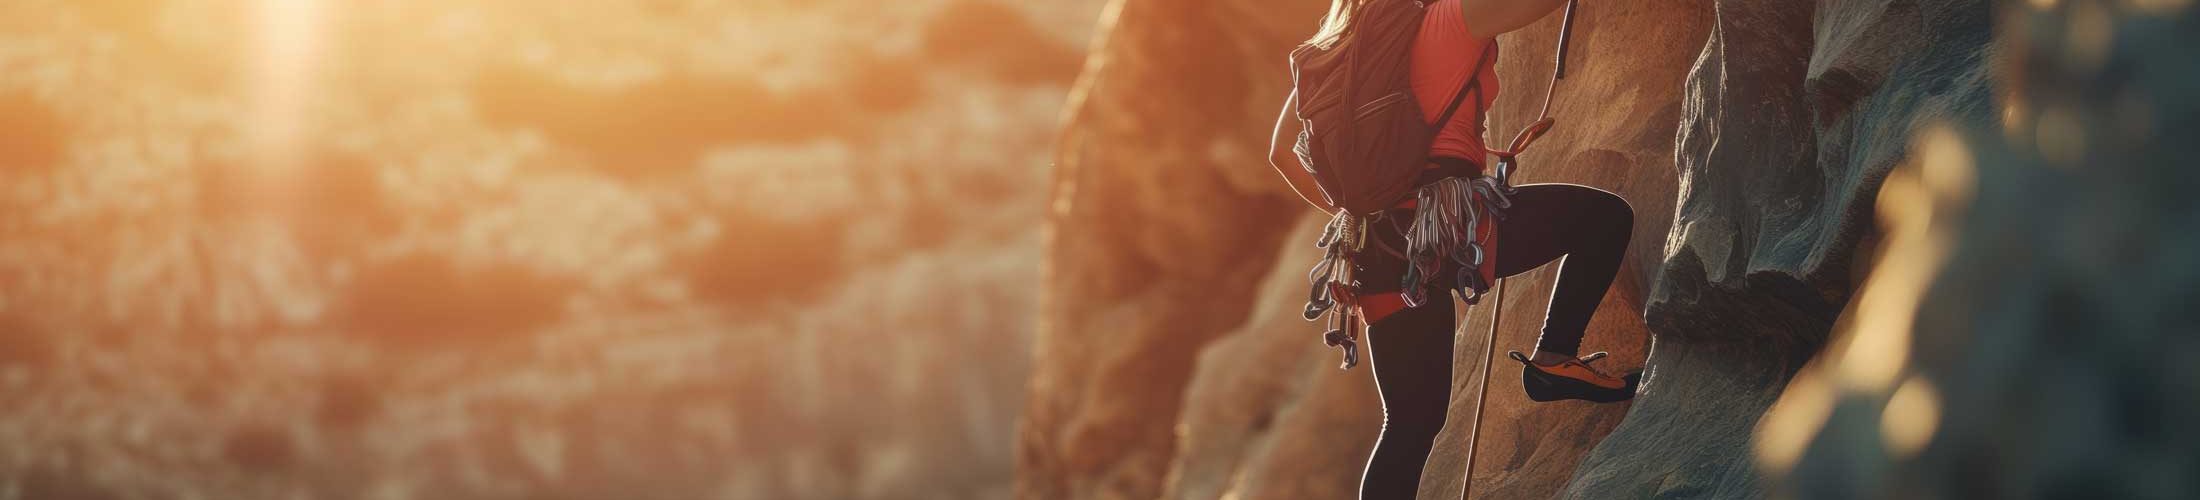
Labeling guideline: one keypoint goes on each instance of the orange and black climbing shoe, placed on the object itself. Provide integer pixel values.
(1574, 379)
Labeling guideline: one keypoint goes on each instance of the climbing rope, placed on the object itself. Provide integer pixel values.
(1506, 160)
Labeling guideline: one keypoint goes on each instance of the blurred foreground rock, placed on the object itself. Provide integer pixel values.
(2024, 335)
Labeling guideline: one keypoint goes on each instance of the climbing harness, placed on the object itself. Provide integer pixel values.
(1448, 225)
(1506, 161)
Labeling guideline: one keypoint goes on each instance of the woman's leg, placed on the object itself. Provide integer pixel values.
(1589, 228)
(1411, 355)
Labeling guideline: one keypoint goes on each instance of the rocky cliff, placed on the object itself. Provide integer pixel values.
(1783, 146)
(1164, 222)
(1750, 137)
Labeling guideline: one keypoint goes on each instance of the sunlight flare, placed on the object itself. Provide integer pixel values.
(289, 43)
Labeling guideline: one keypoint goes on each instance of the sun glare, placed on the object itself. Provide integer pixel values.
(288, 43)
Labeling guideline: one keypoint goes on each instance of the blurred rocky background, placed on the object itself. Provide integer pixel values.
(491, 249)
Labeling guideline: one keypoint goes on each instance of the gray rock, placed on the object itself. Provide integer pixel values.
(1783, 146)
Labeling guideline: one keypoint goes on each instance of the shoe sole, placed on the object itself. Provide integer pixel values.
(1544, 387)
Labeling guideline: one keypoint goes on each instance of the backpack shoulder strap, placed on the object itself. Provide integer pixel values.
(1474, 84)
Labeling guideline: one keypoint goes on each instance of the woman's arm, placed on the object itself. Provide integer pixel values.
(1286, 161)
(1489, 18)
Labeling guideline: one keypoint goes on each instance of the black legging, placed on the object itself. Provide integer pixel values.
(1411, 350)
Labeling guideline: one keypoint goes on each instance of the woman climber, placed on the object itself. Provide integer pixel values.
(1502, 231)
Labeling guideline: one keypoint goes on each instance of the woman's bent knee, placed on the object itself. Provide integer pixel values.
(1617, 215)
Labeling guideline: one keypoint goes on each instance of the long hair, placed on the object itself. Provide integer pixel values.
(1340, 14)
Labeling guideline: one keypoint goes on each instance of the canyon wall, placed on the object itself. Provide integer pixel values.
(1165, 219)
(1783, 146)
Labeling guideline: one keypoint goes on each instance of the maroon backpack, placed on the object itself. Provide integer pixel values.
(1363, 137)
(1364, 141)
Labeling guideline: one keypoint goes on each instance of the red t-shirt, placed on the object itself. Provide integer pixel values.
(1443, 55)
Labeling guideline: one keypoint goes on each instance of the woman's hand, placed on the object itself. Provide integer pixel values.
(1489, 18)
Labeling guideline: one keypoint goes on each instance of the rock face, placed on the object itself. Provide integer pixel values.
(1751, 137)
(1783, 147)
(1166, 217)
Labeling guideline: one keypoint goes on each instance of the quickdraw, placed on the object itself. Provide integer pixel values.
(1334, 291)
(1447, 217)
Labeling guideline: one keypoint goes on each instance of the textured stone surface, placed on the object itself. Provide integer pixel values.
(1165, 218)
(1785, 143)
(1267, 415)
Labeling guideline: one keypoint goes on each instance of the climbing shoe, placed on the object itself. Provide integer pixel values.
(1574, 379)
